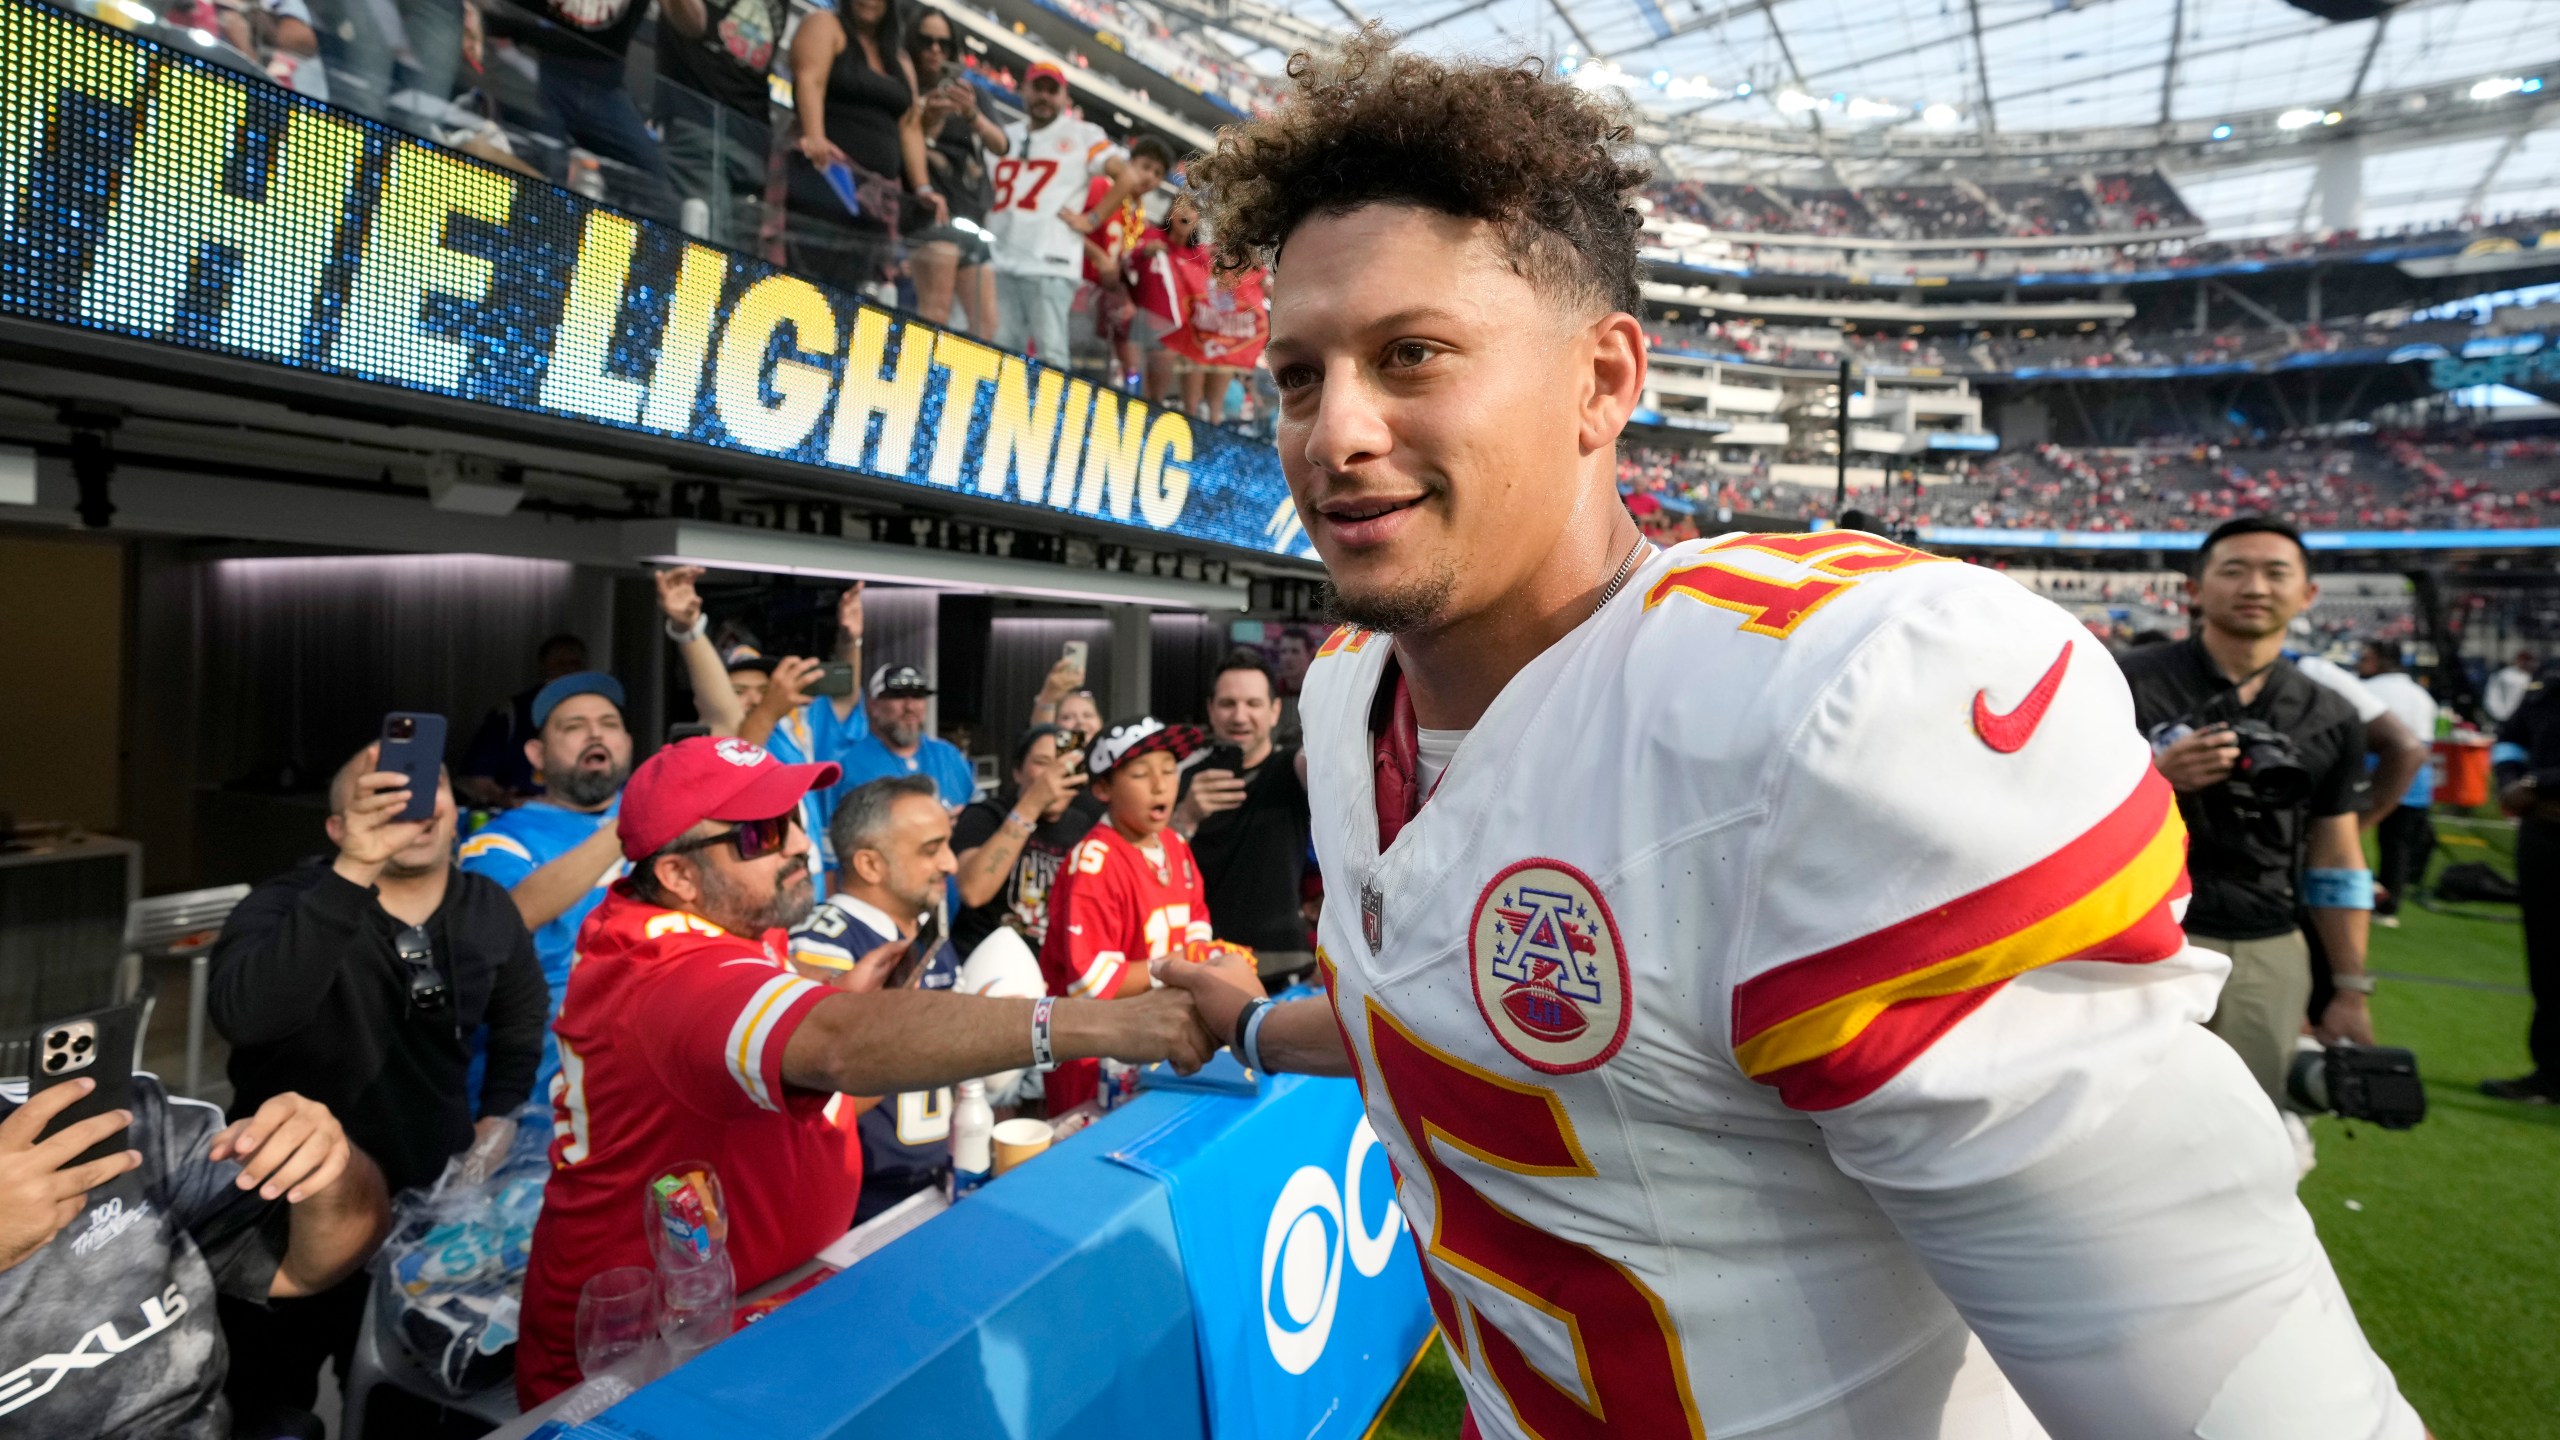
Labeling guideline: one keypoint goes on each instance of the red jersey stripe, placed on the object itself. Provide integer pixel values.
(2102, 884)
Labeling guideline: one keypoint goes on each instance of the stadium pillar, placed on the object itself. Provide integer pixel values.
(1132, 669)
(1840, 482)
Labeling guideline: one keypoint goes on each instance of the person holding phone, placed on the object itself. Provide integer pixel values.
(361, 978)
(1012, 844)
(137, 1247)
(1244, 810)
(878, 931)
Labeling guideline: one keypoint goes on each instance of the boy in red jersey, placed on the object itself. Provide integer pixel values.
(1130, 892)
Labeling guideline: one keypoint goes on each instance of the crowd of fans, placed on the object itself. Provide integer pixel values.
(2085, 204)
(2391, 482)
(583, 933)
(2395, 483)
(891, 171)
(1984, 352)
(1185, 55)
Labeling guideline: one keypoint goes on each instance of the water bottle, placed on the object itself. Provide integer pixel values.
(1119, 1084)
(973, 1122)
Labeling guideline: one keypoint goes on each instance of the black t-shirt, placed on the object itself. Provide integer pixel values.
(728, 61)
(1025, 892)
(1253, 856)
(109, 1329)
(2243, 862)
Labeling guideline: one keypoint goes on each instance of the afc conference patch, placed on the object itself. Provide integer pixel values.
(1550, 974)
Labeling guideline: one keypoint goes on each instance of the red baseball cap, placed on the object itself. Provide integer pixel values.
(1045, 68)
(709, 778)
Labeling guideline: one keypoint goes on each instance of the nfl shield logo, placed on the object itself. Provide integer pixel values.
(1373, 925)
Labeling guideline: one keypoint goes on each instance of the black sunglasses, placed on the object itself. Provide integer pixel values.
(418, 956)
(938, 42)
(753, 839)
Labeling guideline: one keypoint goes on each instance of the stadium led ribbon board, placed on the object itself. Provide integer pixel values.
(149, 194)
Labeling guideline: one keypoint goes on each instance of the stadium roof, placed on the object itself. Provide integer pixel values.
(1870, 88)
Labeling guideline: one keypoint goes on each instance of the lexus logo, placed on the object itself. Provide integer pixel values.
(1315, 1225)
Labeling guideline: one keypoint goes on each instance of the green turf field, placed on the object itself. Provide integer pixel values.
(2445, 1234)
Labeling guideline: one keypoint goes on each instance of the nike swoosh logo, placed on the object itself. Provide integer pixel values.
(2010, 733)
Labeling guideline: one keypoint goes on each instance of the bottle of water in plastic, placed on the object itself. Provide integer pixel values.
(1119, 1084)
(973, 1123)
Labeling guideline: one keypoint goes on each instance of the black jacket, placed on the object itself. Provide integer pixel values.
(314, 999)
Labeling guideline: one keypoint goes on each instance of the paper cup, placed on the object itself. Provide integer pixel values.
(1019, 1140)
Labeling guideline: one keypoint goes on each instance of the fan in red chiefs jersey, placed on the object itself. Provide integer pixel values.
(685, 1035)
(1760, 958)
(1130, 891)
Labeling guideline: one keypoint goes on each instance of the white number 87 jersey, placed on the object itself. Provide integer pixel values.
(1780, 1023)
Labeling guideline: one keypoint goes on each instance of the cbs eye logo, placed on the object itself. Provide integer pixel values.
(1315, 1225)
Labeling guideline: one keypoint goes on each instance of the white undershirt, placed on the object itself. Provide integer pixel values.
(1435, 748)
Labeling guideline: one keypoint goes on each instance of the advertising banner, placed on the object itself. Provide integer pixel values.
(1304, 1282)
(152, 195)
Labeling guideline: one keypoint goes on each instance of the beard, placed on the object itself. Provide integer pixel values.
(903, 736)
(743, 909)
(1415, 602)
(584, 788)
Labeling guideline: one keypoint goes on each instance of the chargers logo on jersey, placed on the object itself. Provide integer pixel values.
(1550, 976)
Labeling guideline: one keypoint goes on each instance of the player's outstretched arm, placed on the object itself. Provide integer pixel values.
(1297, 1036)
(1981, 993)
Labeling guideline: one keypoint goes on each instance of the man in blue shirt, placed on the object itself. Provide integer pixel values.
(895, 840)
(894, 743)
(557, 853)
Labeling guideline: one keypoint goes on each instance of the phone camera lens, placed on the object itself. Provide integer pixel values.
(81, 1045)
(57, 1039)
(55, 1062)
(404, 729)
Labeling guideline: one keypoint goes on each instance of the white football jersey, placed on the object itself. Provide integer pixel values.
(1780, 1024)
(1044, 171)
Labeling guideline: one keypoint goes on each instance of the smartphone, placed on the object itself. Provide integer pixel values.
(834, 678)
(98, 1046)
(413, 744)
(928, 939)
(1076, 650)
(1229, 758)
(690, 730)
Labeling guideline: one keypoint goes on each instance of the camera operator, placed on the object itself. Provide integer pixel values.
(2527, 761)
(2268, 766)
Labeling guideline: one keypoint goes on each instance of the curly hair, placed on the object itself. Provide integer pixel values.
(1551, 165)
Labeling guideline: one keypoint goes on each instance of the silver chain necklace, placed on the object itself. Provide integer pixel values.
(1626, 568)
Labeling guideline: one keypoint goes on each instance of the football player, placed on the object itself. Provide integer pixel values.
(1760, 958)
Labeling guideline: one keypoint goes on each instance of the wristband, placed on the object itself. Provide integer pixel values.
(1043, 1058)
(2331, 889)
(1014, 819)
(686, 635)
(1248, 1046)
(2354, 984)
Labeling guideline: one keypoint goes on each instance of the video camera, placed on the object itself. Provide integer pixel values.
(2373, 1083)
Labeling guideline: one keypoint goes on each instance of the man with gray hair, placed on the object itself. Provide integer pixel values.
(893, 854)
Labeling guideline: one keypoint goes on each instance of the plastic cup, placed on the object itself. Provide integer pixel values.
(617, 1317)
(1019, 1140)
(698, 1305)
